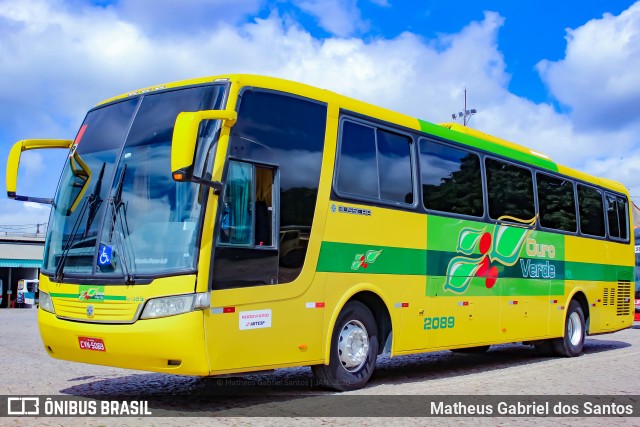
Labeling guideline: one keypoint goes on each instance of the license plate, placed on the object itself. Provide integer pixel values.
(95, 344)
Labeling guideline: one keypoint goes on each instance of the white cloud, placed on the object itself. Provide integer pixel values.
(339, 17)
(382, 3)
(619, 168)
(15, 213)
(186, 17)
(599, 83)
(91, 54)
(598, 79)
(31, 161)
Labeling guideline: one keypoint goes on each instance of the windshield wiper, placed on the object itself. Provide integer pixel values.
(119, 216)
(74, 230)
(94, 201)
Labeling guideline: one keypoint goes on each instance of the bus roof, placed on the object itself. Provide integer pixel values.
(451, 131)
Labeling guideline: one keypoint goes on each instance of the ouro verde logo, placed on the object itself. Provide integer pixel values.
(363, 260)
(481, 250)
(91, 293)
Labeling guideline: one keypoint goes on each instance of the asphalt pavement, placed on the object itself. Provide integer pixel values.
(610, 365)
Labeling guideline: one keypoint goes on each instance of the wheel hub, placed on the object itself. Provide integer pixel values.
(353, 345)
(574, 329)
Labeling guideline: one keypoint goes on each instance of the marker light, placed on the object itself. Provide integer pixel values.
(80, 134)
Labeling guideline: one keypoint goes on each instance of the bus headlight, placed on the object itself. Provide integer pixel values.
(170, 306)
(46, 303)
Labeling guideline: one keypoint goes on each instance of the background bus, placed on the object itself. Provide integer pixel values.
(637, 293)
(243, 223)
(27, 294)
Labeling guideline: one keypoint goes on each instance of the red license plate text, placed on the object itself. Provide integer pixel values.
(95, 344)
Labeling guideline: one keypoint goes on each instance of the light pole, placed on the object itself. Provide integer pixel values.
(465, 114)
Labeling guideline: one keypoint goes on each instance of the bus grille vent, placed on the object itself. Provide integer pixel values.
(624, 298)
(605, 296)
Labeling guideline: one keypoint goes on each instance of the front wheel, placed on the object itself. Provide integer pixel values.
(354, 347)
(572, 343)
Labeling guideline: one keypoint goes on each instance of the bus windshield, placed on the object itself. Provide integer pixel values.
(117, 210)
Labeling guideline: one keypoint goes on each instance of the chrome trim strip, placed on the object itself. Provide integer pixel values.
(135, 318)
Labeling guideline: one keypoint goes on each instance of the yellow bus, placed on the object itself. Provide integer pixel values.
(243, 223)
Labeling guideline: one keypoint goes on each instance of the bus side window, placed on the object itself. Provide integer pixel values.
(617, 213)
(591, 209)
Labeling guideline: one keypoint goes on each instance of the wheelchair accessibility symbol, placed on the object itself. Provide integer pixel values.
(104, 257)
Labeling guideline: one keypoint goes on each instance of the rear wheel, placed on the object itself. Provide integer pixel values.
(354, 347)
(572, 343)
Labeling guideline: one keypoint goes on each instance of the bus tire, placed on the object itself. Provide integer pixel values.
(354, 348)
(572, 343)
(472, 350)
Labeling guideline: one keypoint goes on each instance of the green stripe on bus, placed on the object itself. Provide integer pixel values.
(505, 287)
(76, 296)
(59, 295)
(491, 147)
(338, 257)
(597, 272)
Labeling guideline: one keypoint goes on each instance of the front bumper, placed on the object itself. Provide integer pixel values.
(174, 344)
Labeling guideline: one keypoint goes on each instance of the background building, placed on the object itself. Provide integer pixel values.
(20, 258)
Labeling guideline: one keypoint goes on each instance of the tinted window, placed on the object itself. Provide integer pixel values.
(617, 216)
(158, 209)
(451, 179)
(287, 131)
(591, 211)
(394, 165)
(557, 203)
(129, 206)
(293, 128)
(623, 214)
(374, 163)
(105, 131)
(510, 191)
(358, 168)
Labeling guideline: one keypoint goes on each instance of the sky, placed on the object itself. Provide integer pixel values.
(559, 77)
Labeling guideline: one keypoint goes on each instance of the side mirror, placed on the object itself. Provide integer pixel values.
(185, 137)
(14, 162)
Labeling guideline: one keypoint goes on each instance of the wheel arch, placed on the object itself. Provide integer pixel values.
(379, 307)
(581, 298)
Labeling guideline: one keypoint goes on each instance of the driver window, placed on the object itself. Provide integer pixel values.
(247, 217)
(236, 227)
